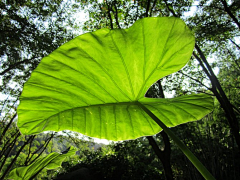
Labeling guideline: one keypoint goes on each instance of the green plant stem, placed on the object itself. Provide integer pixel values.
(200, 167)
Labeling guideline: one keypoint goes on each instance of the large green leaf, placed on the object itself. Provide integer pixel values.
(94, 83)
(51, 161)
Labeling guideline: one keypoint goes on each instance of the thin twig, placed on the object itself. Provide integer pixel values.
(194, 80)
(235, 43)
(11, 67)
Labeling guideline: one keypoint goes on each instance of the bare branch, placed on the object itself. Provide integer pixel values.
(194, 80)
(230, 13)
(11, 67)
(235, 44)
(29, 152)
(7, 144)
(202, 65)
(46, 144)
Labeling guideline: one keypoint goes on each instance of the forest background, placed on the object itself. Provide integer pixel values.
(31, 30)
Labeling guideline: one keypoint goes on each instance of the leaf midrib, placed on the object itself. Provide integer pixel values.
(98, 105)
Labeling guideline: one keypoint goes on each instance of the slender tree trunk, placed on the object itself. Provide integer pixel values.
(8, 125)
(230, 13)
(15, 158)
(216, 87)
(43, 149)
(9, 143)
(220, 95)
(10, 148)
(164, 155)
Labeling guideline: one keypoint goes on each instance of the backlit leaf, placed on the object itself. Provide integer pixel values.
(51, 161)
(94, 83)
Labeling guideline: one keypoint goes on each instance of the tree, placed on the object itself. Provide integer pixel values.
(29, 31)
(208, 27)
(216, 27)
(221, 30)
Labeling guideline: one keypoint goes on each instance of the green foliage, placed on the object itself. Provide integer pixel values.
(29, 31)
(42, 28)
(51, 161)
(211, 22)
(132, 159)
(106, 72)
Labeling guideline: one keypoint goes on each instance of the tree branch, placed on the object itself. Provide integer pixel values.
(11, 145)
(222, 98)
(171, 10)
(46, 144)
(164, 155)
(7, 144)
(29, 152)
(160, 89)
(109, 15)
(11, 67)
(116, 14)
(230, 13)
(195, 80)
(201, 64)
(147, 9)
(235, 44)
(8, 125)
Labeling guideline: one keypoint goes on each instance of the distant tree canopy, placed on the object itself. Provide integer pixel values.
(29, 30)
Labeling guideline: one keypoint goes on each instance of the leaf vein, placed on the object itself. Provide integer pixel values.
(70, 84)
(104, 70)
(131, 122)
(161, 114)
(124, 64)
(159, 61)
(88, 78)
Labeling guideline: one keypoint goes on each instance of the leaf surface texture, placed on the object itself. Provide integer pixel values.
(93, 83)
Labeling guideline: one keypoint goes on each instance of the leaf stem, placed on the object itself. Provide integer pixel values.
(200, 167)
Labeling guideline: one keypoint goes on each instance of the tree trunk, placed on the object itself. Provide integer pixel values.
(217, 88)
(164, 155)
